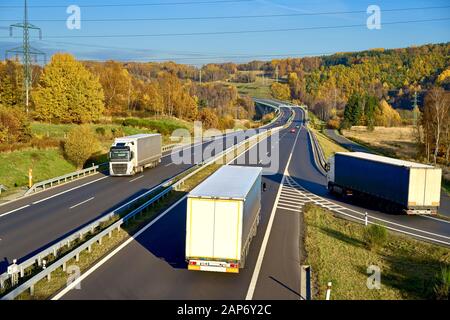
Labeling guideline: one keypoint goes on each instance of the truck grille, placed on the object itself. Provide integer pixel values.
(119, 169)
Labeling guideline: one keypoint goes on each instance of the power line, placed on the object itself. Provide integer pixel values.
(135, 4)
(239, 31)
(26, 51)
(238, 16)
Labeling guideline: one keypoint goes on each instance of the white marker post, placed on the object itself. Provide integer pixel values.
(366, 219)
(328, 291)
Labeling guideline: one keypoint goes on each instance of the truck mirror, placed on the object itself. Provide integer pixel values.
(264, 186)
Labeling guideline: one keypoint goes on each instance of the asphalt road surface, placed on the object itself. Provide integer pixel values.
(30, 224)
(151, 265)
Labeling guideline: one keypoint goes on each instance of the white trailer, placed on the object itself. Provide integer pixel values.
(129, 155)
(223, 214)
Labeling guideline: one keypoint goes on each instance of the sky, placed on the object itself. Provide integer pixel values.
(173, 31)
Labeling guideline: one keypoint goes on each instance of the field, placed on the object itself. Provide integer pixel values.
(337, 252)
(258, 89)
(393, 141)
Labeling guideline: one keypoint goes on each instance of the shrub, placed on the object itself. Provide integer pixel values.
(441, 286)
(375, 236)
(80, 145)
(100, 131)
(333, 124)
(117, 132)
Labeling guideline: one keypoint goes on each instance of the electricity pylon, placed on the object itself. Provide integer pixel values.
(26, 51)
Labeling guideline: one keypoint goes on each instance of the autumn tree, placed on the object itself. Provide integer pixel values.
(80, 145)
(116, 84)
(280, 91)
(436, 117)
(208, 118)
(68, 92)
(14, 126)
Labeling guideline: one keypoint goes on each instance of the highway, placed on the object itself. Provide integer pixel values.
(151, 265)
(33, 223)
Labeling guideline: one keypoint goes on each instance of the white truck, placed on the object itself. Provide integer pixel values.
(130, 155)
(394, 185)
(223, 214)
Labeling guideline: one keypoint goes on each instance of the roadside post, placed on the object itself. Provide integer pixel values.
(366, 220)
(30, 178)
(328, 291)
(13, 271)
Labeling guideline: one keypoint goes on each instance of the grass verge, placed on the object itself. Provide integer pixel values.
(329, 147)
(337, 252)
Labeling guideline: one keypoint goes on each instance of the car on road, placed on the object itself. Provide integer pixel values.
(292, 130)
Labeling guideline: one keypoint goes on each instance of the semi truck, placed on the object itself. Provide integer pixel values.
(397, 186)
(223, 214)
(130, 155)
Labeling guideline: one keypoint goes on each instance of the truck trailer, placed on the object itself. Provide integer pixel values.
(223, 214)
(397, 186)
(130, 155)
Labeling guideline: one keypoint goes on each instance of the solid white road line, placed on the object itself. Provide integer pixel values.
(58, 194)
(83, 202)
(437, 219)
(6, 213)
(123, 245)
(289, 209)
(136, 179)
(114, 252)
(252, 286)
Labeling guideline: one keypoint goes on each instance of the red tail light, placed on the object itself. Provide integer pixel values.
(192, 263)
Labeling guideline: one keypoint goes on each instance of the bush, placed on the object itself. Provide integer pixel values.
(333, 124)
(441, 286)
(375, 236)
(117, 132)
(80, 145)
(100, 131)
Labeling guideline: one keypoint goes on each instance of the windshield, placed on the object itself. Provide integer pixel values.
(119, 155)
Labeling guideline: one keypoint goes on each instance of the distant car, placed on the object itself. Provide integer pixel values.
(292, 130)
(297, 127)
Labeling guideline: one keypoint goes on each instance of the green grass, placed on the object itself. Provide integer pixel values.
(329, 147)
(337, 252)
(256, 89)
(46, 164)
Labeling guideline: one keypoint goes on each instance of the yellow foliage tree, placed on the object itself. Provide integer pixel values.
(68, 92)
(80, 145)
(386, 116)
(280, 91)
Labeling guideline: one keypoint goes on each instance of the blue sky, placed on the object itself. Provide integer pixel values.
(238, 47)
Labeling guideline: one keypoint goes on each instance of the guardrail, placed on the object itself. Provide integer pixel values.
(168, 186)
(43, 185)
(318, 154)
(62, 179)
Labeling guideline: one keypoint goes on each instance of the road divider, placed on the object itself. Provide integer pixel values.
(82, 240)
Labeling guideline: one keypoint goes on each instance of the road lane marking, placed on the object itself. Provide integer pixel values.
(437, 219)
(169, 164)
(78, 187)
(136, 178)
(83, 202)
(6, 213)
(124, 244)
(324, 203)
(262, 251)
